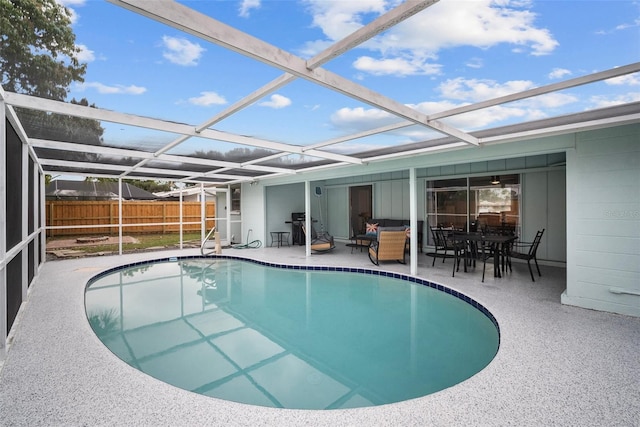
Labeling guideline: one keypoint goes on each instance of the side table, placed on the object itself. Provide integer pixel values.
(280, 238)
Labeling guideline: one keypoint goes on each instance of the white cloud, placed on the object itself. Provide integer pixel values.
(208, 98)
(626, 80)
(475, 63)
(113, 89)
(447, 24)
(312, 48)
(358, 119)
(492, 116)
(475, 119)
(338, 19)
(549, 100)
(276, 101)
(475, 90)
(85, 54)
(395, 66)
(481, 23)
(620, 27)
(247, 5)
(361, 119)
(558, 73)
(70, 5)
(181, 51)
(610, 101)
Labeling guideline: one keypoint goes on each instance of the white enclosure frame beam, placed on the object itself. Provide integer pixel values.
(190, 21)
(120, 216)
(59, 107)
(307, 218)
(43, 218)
(24, 223)
(35, 193)
(3, 227)
(227, 199)
(567, 84)
(203, 214)
(181, 227)
(169, 158)
(413, 221)
(383, 22)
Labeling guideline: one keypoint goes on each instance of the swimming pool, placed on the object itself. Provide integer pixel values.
(289, 336)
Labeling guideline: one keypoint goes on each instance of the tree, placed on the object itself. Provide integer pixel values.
(38, 54)
(39, 57)
(152, 186)
(60, 127)
(148, 185)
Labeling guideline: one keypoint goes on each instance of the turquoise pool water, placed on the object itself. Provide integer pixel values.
(291, 338)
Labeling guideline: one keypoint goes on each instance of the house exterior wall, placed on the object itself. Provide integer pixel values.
(280, 202)
(543, 207)
(590, 211)
(603, 211)
(337, 211)
(254, 213)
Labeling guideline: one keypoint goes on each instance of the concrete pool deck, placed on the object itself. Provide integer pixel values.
(557, 365)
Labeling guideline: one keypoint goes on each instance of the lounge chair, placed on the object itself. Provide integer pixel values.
(320, 242)
(390, 246)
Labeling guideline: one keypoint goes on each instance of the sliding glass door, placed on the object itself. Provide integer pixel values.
(447, 204)
(488, 203)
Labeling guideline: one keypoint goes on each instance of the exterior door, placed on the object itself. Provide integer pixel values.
(360, 208)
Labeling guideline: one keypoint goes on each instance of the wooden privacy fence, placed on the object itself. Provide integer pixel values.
(157, 216)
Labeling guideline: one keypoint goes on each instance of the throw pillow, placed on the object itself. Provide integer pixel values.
(372, 229)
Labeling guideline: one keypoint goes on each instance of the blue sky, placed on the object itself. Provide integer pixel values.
(451, 54)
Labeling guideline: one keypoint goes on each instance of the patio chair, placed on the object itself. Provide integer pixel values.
(527, 251)
(358, 237)
(438, 246)
(484, 251)
(320, 242)
(388, 247)
(446, 247)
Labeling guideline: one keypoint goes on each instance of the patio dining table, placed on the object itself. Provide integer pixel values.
(501, 243)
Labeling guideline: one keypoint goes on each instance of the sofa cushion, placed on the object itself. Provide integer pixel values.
(394, 222)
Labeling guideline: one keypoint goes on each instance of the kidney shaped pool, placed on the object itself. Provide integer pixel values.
(289, 336)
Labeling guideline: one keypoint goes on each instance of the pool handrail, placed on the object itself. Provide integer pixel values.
(206, 239)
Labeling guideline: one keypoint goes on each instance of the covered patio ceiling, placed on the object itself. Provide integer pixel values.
(171, 149)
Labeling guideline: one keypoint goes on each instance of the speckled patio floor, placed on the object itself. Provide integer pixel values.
(557, 365)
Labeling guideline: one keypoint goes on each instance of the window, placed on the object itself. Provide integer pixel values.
(235, 198)
(447, 204)
(490, 203)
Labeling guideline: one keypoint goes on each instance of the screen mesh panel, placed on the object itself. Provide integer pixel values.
(14, 185)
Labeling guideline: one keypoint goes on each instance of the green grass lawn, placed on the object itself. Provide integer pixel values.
(145, 241)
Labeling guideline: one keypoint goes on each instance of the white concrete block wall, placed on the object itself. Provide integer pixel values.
(603, 231)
